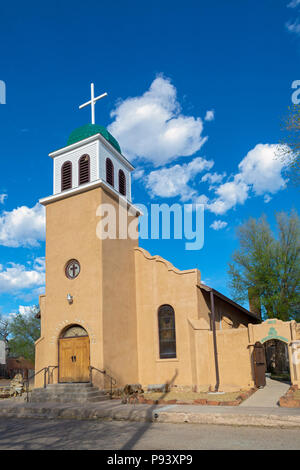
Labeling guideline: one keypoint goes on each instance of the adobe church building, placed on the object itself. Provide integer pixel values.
(111, 306)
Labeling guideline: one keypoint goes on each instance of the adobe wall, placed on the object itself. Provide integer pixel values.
(120, 358)
(103, 293)
(71, 233)
(158, 283)
(234, 356)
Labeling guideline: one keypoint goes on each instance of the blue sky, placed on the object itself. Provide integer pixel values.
(236, 59)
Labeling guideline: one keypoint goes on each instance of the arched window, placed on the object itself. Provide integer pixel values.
(84, 169)
(66, 176)
(122, 183)
(167, 334)
(73, 331)
(109, 172)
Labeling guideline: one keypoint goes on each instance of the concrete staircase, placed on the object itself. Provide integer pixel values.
(68, 393)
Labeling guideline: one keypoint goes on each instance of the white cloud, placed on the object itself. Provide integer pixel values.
(202, 199)
(267, 198)
(293, 4)
(293, 27)
(23, 226)
(174, 181)
(15, 277)
(262, 169)
(213, 178)
(260, 173)
(210, 115)
(229, 195)
(151, 127)
(3, 197)
(218, 224)
(138, 174)
(24, 310)
(39, 264)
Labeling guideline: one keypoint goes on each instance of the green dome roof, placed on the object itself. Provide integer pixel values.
(88, 130)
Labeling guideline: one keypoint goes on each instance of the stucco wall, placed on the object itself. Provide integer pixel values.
(158, 283)
(227, 316)
(71, 233)
(103, 293)
(234, 359)
(120, 356)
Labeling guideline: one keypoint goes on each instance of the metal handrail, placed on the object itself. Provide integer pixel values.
(112, 380)
(46, 370)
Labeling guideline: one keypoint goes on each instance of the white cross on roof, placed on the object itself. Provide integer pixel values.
(92, 102)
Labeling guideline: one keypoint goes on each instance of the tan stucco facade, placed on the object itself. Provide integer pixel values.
(116, 298)
(103, 293)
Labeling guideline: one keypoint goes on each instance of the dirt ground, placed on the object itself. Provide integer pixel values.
(297, 394)
(191, 396)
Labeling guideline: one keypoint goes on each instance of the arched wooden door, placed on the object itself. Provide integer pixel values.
(74, 355)
(259, 363)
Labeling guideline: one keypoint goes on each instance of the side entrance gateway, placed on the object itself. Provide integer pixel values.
(74, 355)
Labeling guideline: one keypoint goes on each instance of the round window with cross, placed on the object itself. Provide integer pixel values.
(72, 269)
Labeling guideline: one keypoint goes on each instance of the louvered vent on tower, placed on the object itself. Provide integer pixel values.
(66, 176)
(122, 183)
(109, 172)
(84, 169)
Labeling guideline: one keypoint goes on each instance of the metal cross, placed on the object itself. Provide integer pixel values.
(74, 268)
(92, 102)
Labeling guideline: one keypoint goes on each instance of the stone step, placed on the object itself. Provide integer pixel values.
(68, 389)
(74, 385)
(68, 393)
(67, 399)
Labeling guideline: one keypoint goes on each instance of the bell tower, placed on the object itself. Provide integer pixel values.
(90, 282)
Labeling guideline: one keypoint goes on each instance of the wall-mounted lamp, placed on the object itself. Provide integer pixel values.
(70, 298)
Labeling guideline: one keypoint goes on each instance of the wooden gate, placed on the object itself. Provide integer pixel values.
(74, 359)
(259, 363)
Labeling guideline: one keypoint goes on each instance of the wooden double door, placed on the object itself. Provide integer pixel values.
(74, 359)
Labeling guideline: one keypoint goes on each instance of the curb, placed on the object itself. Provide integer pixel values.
(150, 415)
(228, 419)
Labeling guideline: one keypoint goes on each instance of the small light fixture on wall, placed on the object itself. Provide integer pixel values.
(70, 298)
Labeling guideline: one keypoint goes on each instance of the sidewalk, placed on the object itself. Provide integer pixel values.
(115, 410)
(268, 396)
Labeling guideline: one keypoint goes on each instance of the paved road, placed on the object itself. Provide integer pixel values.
(268, 396)
(71, 434)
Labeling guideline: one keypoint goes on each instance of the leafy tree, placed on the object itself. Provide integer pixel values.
(24, 330)
(289, 151)
(4, 329)
(268, 268)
